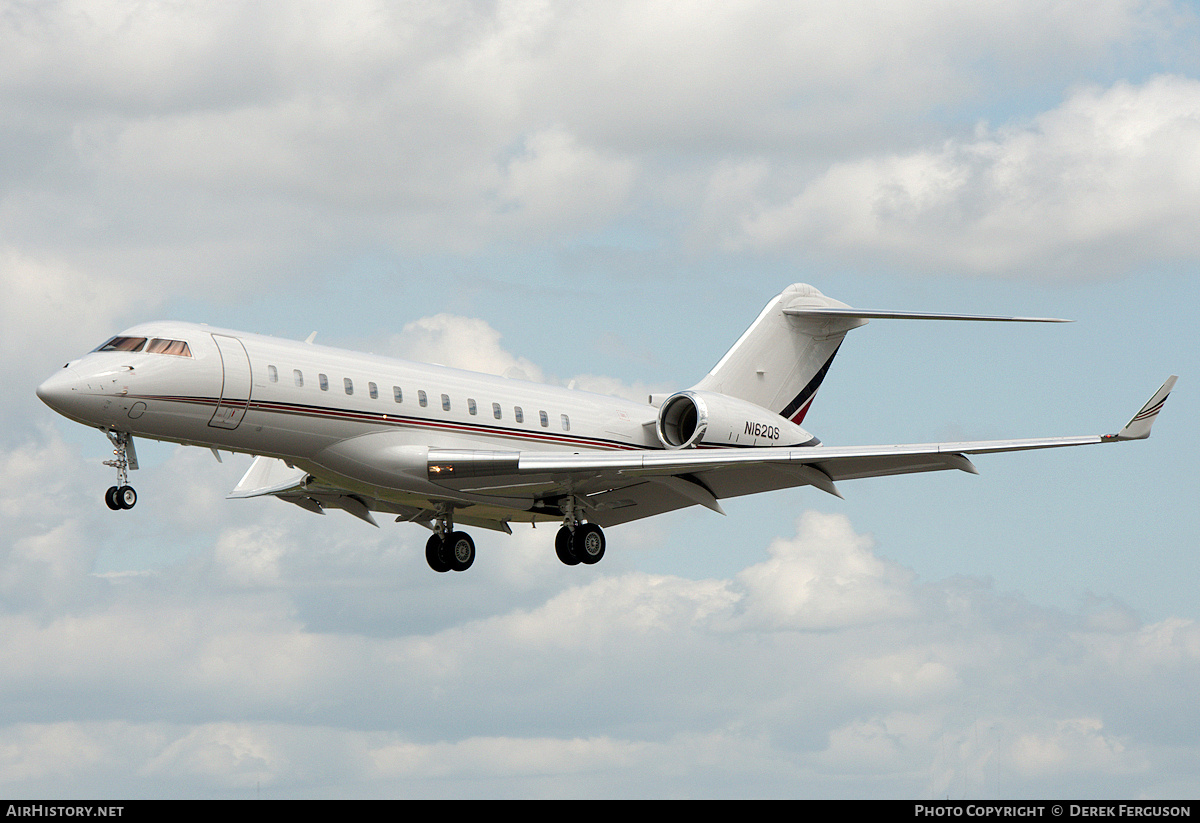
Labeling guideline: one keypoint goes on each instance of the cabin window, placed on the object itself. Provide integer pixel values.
(323, 381)
(445, 402)
(273, 374)
(349, 384)
(124, 344)
(422, 398)
(471, 407)
(176, 347)
(299, 375)
(518, 414)
(545, 418)
(373, 390)
(496, 410)
(566, 423)
(396, 393)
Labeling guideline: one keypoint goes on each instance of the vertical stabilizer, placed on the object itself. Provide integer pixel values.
(780, 361)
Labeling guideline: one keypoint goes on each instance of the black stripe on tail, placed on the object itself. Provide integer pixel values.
(796, 410)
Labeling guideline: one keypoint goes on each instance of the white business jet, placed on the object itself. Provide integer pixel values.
(447, 448)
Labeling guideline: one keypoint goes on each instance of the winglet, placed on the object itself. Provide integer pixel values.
(1138, 428)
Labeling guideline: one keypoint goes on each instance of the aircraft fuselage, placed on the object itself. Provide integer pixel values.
(298, 401)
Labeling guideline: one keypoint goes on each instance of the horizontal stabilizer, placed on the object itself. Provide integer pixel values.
(1138, 428)
(868, 314)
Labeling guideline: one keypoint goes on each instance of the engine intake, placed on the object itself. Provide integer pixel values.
(694, 418)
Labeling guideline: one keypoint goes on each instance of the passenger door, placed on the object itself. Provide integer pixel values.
(235, 385)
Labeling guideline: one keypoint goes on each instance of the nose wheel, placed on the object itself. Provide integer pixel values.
(122, 495)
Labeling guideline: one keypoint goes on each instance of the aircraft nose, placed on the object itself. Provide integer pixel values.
(60, 389)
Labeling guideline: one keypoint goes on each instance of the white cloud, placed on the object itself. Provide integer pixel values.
(820, 664)
(473, 344)
(54, 751)
(52, 307)
(461, 343)
(1106, 181)
(234, 755)
(503, 758)
(241, 142)
(556, 182)
(250, 556)
(49, 544)
(1078, 745)
(826, 577)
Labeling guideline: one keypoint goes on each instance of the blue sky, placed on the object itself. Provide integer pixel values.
(609, 193)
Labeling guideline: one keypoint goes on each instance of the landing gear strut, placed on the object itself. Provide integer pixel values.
(577, 542)
(449, 550)
(122, 495)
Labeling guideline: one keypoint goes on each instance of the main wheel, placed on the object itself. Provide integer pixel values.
(110, 498)
(562, 547)
(434, 554)
(588, 543)
(459, 551)
(126, 497)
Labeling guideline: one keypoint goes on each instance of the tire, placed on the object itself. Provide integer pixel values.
(562, 547)
(126, 497)
(110, 498)
(588, 543)
(459, 551)
(434, 555)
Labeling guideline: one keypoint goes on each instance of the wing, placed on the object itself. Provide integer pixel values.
(618, 487)
(492, 488)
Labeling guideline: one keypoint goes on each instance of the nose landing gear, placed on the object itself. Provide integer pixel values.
(122, 495)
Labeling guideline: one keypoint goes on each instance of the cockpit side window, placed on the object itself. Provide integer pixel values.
(176, 347)
(123, 344)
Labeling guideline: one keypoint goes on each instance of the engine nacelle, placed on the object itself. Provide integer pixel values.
(700, 418)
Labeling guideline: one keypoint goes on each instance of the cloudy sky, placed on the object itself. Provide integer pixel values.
(608, 193)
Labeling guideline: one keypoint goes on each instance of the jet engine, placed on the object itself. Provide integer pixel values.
(700, 418)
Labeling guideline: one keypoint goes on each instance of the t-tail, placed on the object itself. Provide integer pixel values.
(781, 360)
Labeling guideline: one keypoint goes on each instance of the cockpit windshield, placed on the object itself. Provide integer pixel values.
(176, 347)
(123, 344)
(157, 346)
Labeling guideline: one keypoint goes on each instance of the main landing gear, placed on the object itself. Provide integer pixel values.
(122, 495)
(448, 550)
(577, 542)
(583, 545)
